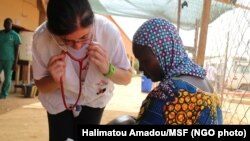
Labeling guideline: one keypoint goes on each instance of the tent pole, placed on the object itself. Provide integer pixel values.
(203, 32)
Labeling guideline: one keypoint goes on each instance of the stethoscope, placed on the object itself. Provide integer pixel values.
(81, 68)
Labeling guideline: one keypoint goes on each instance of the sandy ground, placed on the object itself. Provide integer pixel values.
(24, 119)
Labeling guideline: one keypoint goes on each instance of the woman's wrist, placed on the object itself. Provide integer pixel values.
(111, 71)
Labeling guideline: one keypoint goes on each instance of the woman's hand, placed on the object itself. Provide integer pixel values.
(98, 56)
(56, 67)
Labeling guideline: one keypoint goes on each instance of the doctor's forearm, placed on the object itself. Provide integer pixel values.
(122, 77)
(46, 84)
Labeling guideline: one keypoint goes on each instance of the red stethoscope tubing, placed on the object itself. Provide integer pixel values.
(80, 61)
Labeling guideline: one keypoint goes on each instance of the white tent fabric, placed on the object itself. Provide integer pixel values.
(191, 10)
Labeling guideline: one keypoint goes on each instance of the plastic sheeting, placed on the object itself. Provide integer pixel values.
(191, 10)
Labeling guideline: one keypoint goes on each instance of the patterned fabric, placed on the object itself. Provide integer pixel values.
(172, 101)
(166, 44)
(191, 106)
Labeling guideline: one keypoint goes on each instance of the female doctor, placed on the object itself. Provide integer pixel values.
(77, 56)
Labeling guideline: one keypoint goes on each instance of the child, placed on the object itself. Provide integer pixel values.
(183, 96)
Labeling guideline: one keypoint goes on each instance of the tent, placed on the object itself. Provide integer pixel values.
(190, 10)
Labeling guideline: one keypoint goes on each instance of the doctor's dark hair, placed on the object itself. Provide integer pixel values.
(65, 16)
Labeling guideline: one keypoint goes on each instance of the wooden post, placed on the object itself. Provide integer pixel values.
(17, 76)
(42, 7)
(203, 33)
(28, 73)
(196, 40)
(222, 79)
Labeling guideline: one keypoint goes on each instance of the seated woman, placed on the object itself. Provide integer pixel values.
(183, 96)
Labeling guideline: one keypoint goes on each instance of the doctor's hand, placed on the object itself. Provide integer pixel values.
(56, 67)
(98, 56)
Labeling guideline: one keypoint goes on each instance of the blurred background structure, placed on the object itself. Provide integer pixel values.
(215, 34)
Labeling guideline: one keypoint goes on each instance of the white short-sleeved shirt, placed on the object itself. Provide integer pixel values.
(96, 89)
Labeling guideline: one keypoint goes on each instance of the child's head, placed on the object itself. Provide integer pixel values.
(159, 49)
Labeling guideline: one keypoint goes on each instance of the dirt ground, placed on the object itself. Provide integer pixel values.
(15, 100)
(24, 119)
